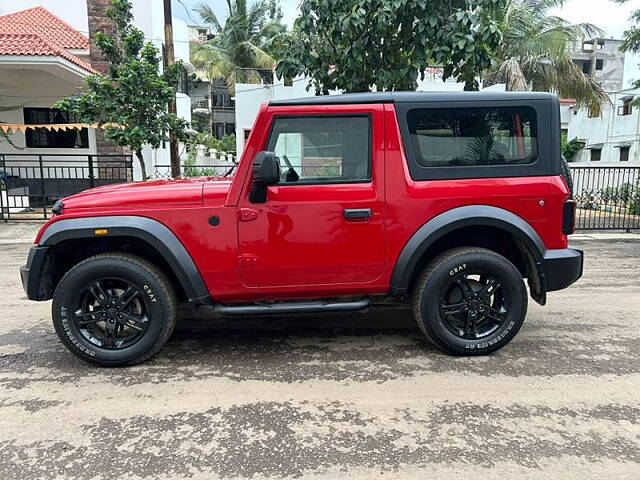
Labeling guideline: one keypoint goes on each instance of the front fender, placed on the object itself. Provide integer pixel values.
(146, 229)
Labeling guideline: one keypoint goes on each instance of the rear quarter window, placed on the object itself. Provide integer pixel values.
(471, 137)
(460, 139)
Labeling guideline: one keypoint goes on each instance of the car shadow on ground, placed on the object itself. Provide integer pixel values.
(379, 345)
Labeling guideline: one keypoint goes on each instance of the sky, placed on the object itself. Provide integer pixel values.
(609, 16)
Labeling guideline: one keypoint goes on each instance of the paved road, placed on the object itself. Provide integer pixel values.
(357, 397)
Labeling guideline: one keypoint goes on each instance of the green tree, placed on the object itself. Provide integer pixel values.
(246, 40)
(571, 148)
(130, 101)
(535, 53)
(354, 45)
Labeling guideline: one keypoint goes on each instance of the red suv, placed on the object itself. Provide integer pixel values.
(445, 201)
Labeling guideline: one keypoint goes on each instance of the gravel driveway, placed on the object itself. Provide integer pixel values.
(341, 397)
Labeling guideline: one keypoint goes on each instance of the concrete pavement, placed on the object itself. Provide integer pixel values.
(351, 396)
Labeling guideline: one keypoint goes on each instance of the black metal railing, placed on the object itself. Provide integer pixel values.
(607, 197)
(31, 183)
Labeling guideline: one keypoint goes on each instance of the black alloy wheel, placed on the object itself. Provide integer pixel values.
(112, 313)
(114, 309)
(470, 301)
(474, 305)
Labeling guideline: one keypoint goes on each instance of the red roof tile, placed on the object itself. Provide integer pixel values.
(33, 44)
(42, 22)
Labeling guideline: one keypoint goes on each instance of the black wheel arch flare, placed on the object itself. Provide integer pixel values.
(146, 229)
(454, 219)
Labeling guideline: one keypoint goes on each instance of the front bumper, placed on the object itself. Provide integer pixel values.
(31, 273)
(561, 268)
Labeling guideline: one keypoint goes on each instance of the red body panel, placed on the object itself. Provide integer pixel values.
(298, 244)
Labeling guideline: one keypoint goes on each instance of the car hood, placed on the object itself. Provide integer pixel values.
(156, 193)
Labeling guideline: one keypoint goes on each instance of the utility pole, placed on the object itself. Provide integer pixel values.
(169, 57)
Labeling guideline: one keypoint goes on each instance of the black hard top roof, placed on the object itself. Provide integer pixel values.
(402, 97)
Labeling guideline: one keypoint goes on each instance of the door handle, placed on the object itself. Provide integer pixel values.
(356, 214)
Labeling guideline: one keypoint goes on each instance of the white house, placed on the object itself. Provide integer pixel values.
(613, 137)
(43, 59)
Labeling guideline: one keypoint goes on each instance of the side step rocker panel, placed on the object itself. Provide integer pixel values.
(292, 307)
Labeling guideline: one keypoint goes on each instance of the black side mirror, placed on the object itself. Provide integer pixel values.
(266, 171)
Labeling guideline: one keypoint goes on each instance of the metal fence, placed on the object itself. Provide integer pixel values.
(30, 184)
(607, 197)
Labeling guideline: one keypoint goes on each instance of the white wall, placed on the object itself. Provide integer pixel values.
(250, 96)
(609, 130)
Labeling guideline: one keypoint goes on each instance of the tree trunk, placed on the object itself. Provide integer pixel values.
(143, 167)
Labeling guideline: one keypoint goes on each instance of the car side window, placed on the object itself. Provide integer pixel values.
(473, 136)
(322, 149)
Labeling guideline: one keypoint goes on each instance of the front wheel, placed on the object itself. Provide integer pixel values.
(470, 301)
(114, 309)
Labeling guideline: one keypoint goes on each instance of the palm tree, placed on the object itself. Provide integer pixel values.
(242, 42)
(536, 53)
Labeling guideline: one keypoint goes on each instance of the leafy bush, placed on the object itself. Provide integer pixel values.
(588, 199)
(191, 170)
(225, 144)
(634, 198)
(626, 195)
(610, 195)
(571, 149)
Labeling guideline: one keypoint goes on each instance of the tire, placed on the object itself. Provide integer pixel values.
(491, 318)
(98, 322)
(566, 174)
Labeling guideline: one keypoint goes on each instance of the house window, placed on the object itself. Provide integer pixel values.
(219, 130)
(627, 107)
(596, 154)
(475, 136)
(43, 138)
(229, 128)
(322, 149)
(599, 64)
(586, 68)
(183, 83)
(624, 154)
(600, 44)
(246, 133)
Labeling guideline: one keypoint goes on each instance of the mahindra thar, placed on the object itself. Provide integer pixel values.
(443, 201)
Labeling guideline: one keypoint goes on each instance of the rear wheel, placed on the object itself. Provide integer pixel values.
(470, 301)
(114, 309)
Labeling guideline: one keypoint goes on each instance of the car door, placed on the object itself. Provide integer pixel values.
(323, 223)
